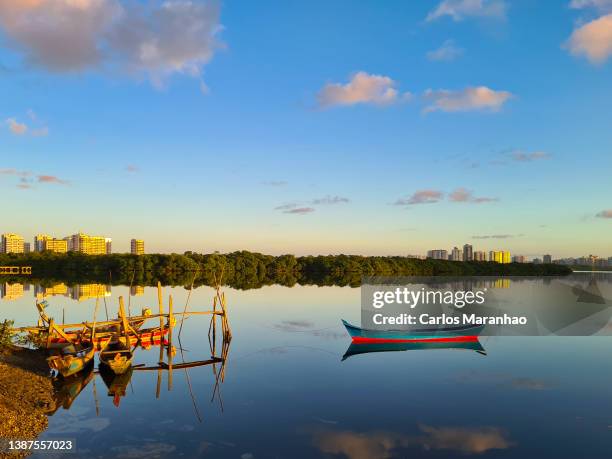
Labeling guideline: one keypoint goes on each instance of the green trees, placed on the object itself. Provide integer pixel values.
(245, 269)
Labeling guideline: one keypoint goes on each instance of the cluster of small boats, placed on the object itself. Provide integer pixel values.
(73, 350)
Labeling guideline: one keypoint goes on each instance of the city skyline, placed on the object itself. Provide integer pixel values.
(441, 122)
(97, 245)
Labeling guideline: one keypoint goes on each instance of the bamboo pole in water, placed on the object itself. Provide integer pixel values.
(187, 303)
(160, 305)
(170, 319)
(161, 347)
(124, 323)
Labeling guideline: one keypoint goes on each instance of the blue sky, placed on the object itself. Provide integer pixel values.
(310, 127)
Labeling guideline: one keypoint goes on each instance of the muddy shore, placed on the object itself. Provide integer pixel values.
(26, 393)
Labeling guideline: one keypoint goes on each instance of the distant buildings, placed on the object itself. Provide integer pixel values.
(44, 242)
(456, 255)
(39, 241)
(468, 254)
(79, 242)
(500, 256)
(137, 247)
(438, 254)
(89, 245)
(547, 259)
(591, 260)
(480, 255)
(12, 243)
(519, 259)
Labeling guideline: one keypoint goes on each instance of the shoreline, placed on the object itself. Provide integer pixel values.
(26, 394)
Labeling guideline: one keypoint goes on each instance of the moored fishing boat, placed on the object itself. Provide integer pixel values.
(117, 356)
(71, 333)
(72, 358)
(145, 337)
(448, 334)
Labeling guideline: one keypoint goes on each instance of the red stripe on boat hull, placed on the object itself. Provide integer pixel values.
(360, 339)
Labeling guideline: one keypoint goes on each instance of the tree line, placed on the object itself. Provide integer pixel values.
(246, 270)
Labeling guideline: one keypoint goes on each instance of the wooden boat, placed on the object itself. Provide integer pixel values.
(147, 337)
(83, 331)
(366, 348)
(448, 334)
(72, 358)
(117, 356)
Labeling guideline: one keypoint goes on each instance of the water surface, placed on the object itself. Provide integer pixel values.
(288, 394)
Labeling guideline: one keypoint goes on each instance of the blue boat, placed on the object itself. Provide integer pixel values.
(447, 334)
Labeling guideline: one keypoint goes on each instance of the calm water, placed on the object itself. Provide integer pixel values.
(287, 394)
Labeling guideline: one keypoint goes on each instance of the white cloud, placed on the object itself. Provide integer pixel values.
(601, 5)
(461, 9)
(593, 40)
(605, 214)
(330, 200)
(154, 39)
(465, 195)
(447, 52)
(421, 197)
(526, 157)
(468, 99)
(16, 127)
(59, 35)
(362, 88)
(176, 37)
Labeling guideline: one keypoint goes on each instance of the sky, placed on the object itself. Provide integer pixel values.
(320, 127)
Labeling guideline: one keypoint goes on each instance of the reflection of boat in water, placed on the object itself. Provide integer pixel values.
(66, 390)
(116, 384)
(366, 348)
(430, 335)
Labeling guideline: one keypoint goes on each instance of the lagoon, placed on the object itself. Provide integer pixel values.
(287, 392)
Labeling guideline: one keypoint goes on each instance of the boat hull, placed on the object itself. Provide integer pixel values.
(431, 335)
(147, 337)
(117, 357)
(69, 365)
